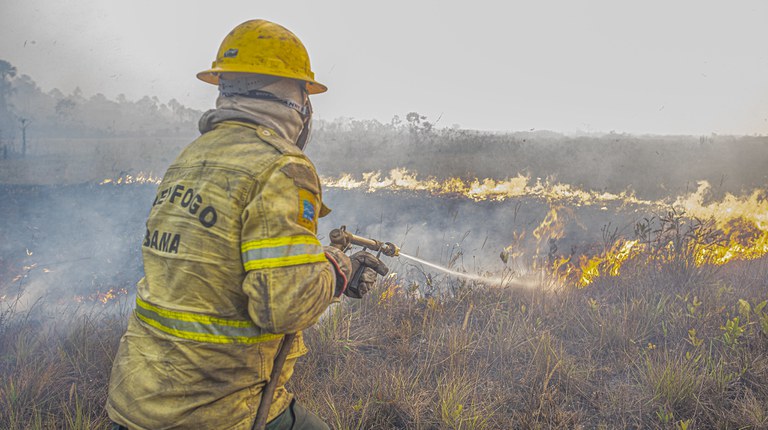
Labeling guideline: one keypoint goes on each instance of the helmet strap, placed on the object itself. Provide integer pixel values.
(306, 132)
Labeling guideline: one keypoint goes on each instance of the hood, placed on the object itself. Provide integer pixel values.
(285, 121)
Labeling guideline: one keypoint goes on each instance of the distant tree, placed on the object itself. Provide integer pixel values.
(396, 122)
(26, 99)
(24, 124)
(418, 125)
(414, 118)
(65, 107)
(56, 94)
(54, 113)
(7, 73)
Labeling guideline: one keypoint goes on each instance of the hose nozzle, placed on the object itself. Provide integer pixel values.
(342, 239)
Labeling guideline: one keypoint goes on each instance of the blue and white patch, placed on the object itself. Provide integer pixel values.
(307, 213)
(309, 210)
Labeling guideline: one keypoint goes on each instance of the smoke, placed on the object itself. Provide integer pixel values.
(652, 166)
(470, 236)
(73, 240)
(78, 243)
(71, 244)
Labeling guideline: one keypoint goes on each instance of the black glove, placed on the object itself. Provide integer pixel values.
(367, 266)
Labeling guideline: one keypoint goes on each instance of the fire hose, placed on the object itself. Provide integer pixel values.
(341, 239)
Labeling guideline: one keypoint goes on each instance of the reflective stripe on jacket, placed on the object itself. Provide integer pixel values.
(231, 261)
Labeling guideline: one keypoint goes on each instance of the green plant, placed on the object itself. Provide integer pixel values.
(732, 331)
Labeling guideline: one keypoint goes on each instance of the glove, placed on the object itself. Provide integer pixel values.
(370, 267)
(343, 266)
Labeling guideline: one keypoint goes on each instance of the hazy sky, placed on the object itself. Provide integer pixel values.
(696, 66)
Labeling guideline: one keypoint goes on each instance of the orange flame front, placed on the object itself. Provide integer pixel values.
(739, 223)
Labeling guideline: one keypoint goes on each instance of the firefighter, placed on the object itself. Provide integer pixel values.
(232, 262)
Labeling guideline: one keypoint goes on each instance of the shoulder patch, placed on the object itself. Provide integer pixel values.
(303, 176)
(308, 210)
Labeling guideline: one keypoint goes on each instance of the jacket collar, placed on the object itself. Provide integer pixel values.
(283, 120)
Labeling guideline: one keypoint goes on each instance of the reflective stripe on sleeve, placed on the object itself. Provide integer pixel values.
(281, 252)
(199, 327)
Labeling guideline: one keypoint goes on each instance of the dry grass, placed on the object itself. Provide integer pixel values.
(640, 350)
(54, 368)
(622, 353)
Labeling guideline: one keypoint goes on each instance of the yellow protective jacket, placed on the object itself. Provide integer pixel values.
(231, 261)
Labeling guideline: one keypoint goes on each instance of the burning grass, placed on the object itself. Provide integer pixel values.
(648, 348)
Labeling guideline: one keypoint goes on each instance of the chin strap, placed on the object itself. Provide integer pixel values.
(306, 132)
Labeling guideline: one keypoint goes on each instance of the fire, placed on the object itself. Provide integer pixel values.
(739, 223)
(486, 189)
(139, 178)
(102, 297)
(705, 232)
(743, 221)
(489, 189)
(608, 263)
(552, 227)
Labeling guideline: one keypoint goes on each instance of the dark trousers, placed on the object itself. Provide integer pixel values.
(297, 417)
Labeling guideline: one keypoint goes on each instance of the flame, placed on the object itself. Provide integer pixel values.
(388, 293)
(102, 297)
(401, 179)
(608, 263)
(740, 222)
(710, 233)
(552, 227)
(139, 178)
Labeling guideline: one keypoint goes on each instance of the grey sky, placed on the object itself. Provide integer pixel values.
(695, 67)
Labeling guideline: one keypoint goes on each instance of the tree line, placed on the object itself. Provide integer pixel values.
(26, 108)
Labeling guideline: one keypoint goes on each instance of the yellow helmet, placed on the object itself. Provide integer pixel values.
(263, 48)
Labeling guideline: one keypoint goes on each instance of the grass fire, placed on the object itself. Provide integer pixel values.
(635, 312)
(503, 258)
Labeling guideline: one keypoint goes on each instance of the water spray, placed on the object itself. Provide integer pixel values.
(342, 239)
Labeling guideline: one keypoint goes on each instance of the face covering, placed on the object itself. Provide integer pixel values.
(289, 93)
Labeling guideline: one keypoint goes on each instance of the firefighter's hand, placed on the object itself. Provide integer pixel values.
(371, 266)
(343, 267)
